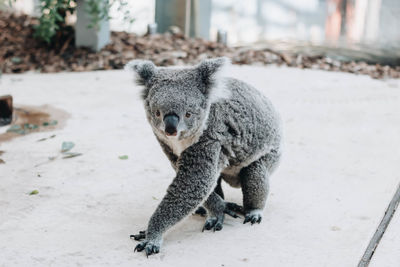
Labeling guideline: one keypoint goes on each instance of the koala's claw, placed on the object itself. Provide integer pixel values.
(149, 248)
(140, 236)
(214, 223)
(253, 217)
(139, 247)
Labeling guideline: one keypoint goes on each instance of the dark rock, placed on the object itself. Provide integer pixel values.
(6, 110)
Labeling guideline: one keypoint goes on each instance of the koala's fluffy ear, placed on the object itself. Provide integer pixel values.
(144, 71)
(211, 72)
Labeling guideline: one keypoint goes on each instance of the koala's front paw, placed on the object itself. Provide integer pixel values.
(150, 247)
(254, 216)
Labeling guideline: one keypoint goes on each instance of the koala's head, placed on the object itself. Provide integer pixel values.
(177, 100)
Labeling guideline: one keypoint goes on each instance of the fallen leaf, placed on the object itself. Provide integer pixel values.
(45, 138)
(2, 161)
(14, 128)
(34, 192)
(68, 155)
(51, 123)
(22, 129)
(67, 146)
(30, 126)
(124, 157)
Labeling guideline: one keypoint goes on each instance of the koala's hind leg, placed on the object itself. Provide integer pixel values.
(217, 208)
(218, 190)
(255, 186)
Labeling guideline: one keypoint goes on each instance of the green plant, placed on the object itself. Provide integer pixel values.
(99, 10)
(52, 17)
(54, 12)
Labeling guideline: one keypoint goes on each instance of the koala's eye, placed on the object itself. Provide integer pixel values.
(187, 115)
(158, 113)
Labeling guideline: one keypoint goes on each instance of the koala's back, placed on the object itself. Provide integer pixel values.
(246, 124)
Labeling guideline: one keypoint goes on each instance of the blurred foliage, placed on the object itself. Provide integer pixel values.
(4, 4)
(54, 12)
(99, 10)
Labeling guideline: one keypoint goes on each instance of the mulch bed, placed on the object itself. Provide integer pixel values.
(20, 52)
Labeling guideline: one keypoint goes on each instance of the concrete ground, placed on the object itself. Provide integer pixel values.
(339, 172)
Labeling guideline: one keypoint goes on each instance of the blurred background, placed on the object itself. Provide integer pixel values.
(372, 23)
(344, 30)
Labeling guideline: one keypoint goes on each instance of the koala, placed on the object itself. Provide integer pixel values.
(211, 128)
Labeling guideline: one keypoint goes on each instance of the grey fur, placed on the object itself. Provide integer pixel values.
(232, 133)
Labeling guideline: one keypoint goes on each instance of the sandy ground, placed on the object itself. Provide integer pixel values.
(339, 172)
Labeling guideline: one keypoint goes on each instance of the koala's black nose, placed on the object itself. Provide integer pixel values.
(171, 123)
